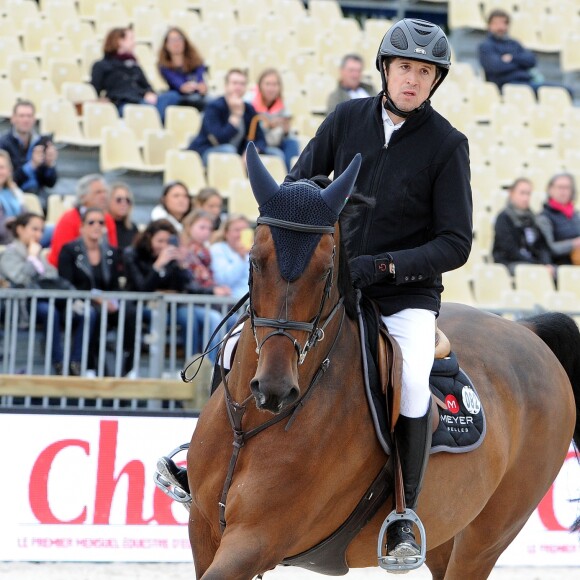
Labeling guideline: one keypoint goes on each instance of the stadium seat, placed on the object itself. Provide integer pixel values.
(518, 302)
(156, 144)
(55, 49)
(119, 150)
(318, 86)
(463, 14)
(56, 205)
(541, 122)
(90, 53)
(223, 19)
(38, 91)
(242, 200)
(248, 11)
(21, 68)
(183, 123)
(168, 7)
(570, 54)
(483, 225)
(290, 10)
(33, 33)
(59, 117)
(327, 12)
(375, 28)
(522, 96)
(562, 301)
(569, 279)
(87, 10)
(535, 278)
(457, 287)
(483, 96)
(508, 162)
(275, 166)
(303, 64)
(63, 70)
(222, 168)
(490, 281)
(78, 32)
(524, 28)
(550, 37)
(78, 93)
(306, 31)
(185, 166)
(109, 16)
(60, 13)
(9, 46)
(32, 203)
(558, 100)
(187, 20)
(8, 97)
(145, 19)
(244, 38)
(96, 116)
(18, 11)
(139, 118)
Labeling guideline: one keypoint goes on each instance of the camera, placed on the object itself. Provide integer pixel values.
(173, 241)
(45, 140)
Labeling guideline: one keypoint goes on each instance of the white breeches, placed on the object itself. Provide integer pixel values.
(414, 330)
(229, 346)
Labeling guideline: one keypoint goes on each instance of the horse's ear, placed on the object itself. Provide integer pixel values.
(338, 192)
(263, 184)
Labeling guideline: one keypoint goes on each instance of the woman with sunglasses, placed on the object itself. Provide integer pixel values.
(120, 208)
(90, 263)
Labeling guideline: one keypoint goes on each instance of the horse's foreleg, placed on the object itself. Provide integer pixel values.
(438, 559)
(203, 542)
(242, 555)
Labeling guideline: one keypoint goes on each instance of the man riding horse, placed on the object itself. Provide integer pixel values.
(415, 168)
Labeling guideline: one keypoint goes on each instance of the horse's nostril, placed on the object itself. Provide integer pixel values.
(293, 395)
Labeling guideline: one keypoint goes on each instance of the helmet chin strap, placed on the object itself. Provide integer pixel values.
(389, 105)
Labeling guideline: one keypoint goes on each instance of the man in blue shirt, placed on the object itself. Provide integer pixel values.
(33, 156)
(504, 60)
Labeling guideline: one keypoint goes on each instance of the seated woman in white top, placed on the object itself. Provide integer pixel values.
(230, 256)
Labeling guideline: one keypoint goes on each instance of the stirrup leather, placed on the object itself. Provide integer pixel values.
(167, 483)
(401, 564)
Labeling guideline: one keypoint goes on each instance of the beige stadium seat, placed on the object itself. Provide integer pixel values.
(524, 28)
(38, 91)
(21, 68)
(167, 8)
(326, 11)
(223, 19)
(90, 53)
(566, 138)
(34, 32)
(490, 281)
(222, 168)
(483, 224)
(508, 162)
(462, 14)
(535, 278)
(375, 28)
(145, 19)
(222, 59)
(119, 150)
(511, 134)
(457, 287)
(562, 301)
(9, 46)
(484, 179)
(518, 303)
(522, 96)
(63, 70)
(541, 122)
(307, 125)
(18, 11)
(60, 118)
(318, 87)
(156, 144)
(87, 10)
(107, 16)
(290, 10)
(303, 64)
(59, 13)
(244, 38)
(307, 29)
(55, 49)
(257, 61)
(8, 97)
(56, 205)
(569, 279)
(558, 100)
(183, 122)
(139, 118)
(78, 93)
(570, 54)
(242, 200)
(544, 159)
(248, 11)
(275, 166)
(185, 166)
(187, 20)
(483, 96)
(486, 136)
(32, 203)
(550, 37)
(96, 116)
(78, 32)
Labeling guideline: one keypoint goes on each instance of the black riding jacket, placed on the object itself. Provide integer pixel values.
(421, 184)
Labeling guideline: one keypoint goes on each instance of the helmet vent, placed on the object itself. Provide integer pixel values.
(423, 32)
(398, 39)
(440, 48)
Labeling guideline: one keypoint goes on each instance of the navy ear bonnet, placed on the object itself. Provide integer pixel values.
(301, 202)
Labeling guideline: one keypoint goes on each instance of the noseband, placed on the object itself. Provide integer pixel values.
(281, 326)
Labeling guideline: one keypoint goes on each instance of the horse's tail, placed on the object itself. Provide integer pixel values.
(561, 334)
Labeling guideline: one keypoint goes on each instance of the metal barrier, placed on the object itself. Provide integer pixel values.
(120, 336)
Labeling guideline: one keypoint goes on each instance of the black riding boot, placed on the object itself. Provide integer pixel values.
(175, 474)
(414, 443)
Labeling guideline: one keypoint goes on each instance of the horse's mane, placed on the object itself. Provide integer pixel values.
(356, 203)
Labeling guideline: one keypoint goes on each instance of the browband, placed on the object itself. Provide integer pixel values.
(286, 225)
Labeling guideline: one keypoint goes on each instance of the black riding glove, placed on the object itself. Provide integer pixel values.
(366, 270)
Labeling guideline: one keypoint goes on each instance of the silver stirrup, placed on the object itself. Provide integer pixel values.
(165, 481)
(401, 564)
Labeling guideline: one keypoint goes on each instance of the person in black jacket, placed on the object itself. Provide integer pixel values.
(119, 77)
(415, 169)
(518, 239)
(91, 264)
(33, 156)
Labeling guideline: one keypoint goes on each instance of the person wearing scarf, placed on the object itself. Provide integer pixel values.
(518, 239)
(11, 198)
(118, 76)
(560, 221)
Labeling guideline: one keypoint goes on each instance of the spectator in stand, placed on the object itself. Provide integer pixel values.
(504, 60)
(230, 257)
(518, 239)
(153, 264)
(210, 200)
(560, 221)
(90, 263)
(350, 83)
(181, 65)
(275, 119)
(228, 121)
(174, 205)
(33, 156)
(23, 264)
(119, 77)
(92, 191)
(120, 206)
(11, 199)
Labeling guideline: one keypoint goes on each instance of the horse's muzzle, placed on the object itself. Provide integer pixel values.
(273, 398)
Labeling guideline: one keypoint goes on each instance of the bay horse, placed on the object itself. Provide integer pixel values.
(295, 482)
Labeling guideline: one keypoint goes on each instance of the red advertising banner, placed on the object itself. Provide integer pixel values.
(80, 488)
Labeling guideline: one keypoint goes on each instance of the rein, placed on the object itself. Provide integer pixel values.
(236, 410)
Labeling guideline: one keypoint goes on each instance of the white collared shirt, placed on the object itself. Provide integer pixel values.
(389, 126)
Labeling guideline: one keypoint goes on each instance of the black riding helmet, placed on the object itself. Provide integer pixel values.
(417, 40)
